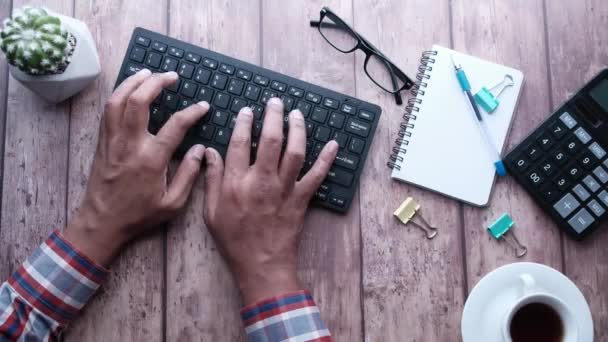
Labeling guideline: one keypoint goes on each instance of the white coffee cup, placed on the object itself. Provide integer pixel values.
(531, 293)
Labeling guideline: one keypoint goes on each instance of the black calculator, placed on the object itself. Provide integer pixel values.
(563, 164)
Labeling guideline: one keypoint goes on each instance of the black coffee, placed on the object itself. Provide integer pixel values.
(536, 322)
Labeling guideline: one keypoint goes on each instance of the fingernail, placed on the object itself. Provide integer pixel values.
(246, 111)
(332, 145)
(296, 114)
(171, 74)
(204, 104)
(210, 155)
(275, 101)
(144, 71)
(197, 152)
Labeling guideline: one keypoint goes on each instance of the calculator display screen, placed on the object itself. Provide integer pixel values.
(600, 94)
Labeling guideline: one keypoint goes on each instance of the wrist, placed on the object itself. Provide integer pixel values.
(260, 283)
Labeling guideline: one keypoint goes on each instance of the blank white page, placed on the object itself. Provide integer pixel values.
(446, 152)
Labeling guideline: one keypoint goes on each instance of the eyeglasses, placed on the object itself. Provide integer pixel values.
(384, 73)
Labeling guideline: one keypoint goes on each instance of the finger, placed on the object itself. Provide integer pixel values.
(173, 132)
(115, 105)
(214, 176)
(180, 187)
(271, 140)
(294, 155)
(137, 110)
(312, 180)
(239, 149)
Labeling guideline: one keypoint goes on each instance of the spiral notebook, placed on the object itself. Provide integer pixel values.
(439, 146)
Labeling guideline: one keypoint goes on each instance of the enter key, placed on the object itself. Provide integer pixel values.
(346, 160)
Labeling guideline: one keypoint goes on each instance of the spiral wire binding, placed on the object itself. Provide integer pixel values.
(412, 107)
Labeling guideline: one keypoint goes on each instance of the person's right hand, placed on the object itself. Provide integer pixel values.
(255, 213)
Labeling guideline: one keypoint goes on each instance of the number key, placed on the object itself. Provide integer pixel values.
(548, 168)
(535, 178)
(574, 172)
(562, 182)
(533, 152)
(521, 163)
(545, 142)
(586, 159)
(560, 157)
(558, 130)
(572, 146)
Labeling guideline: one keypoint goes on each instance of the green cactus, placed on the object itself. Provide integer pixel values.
(35, 42)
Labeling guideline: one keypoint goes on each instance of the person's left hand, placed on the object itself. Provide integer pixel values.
(127, 190)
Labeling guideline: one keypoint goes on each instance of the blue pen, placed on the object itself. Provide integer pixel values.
(466, 88)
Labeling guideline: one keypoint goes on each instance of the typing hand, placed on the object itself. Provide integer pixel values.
(127, 190)
(255, 213)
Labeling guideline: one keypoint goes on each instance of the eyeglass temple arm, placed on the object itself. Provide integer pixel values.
(398, 99)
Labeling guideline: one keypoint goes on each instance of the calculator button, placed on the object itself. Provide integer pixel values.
(574, 171)
(581, 192)
(562, 183)
(572, 145)
(558, 130)
(521, 163)
(597, 150)
(535, 178)
(596, 208)
(549, 193)
(560, 157)
(566, 205)
(591, 183)
(545, 142)
(606, 163)
(586, 159)
(533, 152)
(582, 135)
(581, 221)
(568, 120)
(601, 174)
(548, 168)
(603, 196)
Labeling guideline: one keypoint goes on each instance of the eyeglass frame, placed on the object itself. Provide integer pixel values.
(368, 48)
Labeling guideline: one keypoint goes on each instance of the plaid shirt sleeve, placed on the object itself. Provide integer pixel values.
(47, 291)
(292, 317)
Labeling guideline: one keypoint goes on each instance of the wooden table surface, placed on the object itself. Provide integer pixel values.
(374, 279)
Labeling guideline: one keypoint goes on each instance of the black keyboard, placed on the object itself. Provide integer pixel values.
(229, 84)
(564, 163)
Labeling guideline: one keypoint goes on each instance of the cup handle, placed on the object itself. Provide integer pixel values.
(528, 284)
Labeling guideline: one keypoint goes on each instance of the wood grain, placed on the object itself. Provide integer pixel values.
(510, 33)
(202, 301)
(35, 161)
(129, 306)
(577, 51)
(329, 258)
(413, 287)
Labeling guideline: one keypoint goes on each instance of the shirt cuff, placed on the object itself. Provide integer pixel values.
(57, 279)
(293, 316)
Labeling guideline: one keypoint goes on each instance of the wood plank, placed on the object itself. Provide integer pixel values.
(129, 306)
(35, 161)
(329, 258)
(412, 286)
(5, 11)
(510, 33)
(578, 50)
(202, 300)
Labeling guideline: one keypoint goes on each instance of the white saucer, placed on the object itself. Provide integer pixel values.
(490, 299)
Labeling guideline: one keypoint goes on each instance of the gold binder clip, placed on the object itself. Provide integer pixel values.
(406, 212)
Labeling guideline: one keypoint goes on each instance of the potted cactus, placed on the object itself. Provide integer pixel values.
(51, 54)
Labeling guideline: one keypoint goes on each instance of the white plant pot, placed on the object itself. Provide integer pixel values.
(82, 70)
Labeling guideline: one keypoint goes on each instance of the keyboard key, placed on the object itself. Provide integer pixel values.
(186, 70)
(257, 110)
(189, 89)
(366, 115)
(223, 136)
(574, 171)
(548, 168)
(221, 100)
(202, 75)
(601, 174)
(236, 87)
(322, 134)
(257, 129)
(568, 120)
(549, 193)
(603, 196)
(245, 75)
(358, 127)
(175, 52)
(237, 104)
(336, 120)
(204, 94)
(356, 145)
(558, 130)
(169, 64)
(350, 110)
(321, 196)
(597, 150)
(545, 142)
(562, 183)
(535, 178)
(581, 221)
(219, 81)
(582, 135)
(581, 192)
(340, 177)
(132, 69)
(160, 47)
(596, 208)
(184, 103)
(170, 100)
(220, 117)
(533, 152)
(154, 60)
(337, 201)
(309, 128)
(566, 205)
(346, 160)
(206, 132)
(591, 183)
(330, 103)
(267, 95)
(227, 69)
(209, 63)
(340, 138)
(560, 157)
(232, 121)
(276, 85)
(157, 116)
(252, 92)
(192, 57)
(319, 115)
(143, 41)
(137, 54)
(572, 146)
(261, 80)
(606, 163)
(175, 86)
(297, 92)
(312, 97)
(304, 107)
(288, 102)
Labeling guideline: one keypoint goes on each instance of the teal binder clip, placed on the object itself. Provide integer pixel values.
(487, 100)
(499, 230)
